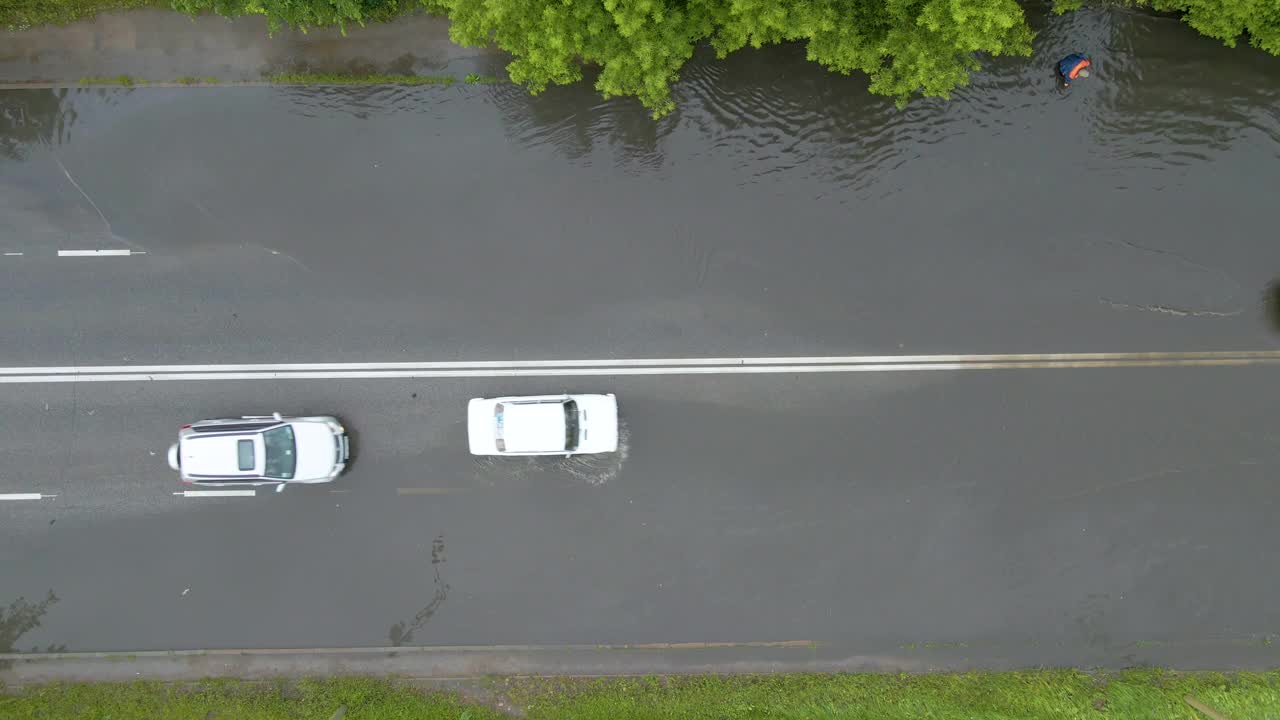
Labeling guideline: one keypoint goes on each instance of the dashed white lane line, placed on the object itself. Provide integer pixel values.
(216, 493)
(13, 254)
(98, 253)
(25, 496)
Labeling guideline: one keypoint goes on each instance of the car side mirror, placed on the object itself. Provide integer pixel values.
(276, 415)
(280, 487)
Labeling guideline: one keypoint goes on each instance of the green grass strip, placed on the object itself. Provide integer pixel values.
(1052, 695)
(24, 14)
(1032, 695)
(120, 80)
(364, 699)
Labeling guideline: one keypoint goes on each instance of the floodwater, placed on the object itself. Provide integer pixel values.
(780, 209)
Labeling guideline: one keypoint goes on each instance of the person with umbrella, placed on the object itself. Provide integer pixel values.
(1071, 67)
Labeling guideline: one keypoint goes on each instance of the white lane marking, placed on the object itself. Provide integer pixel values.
(13, 254)
(662, 363)
(95, 253)
(24, 496)
(71, 375)
(217, 493)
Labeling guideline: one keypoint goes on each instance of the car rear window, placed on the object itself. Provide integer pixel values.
(244, 451)
(570, 425)
(497, 421)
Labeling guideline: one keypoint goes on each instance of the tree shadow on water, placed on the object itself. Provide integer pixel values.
(576, 121)
(20, 618)
(32, 117)
(1271, 304)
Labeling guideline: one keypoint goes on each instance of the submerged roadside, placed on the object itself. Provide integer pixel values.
(165, 48)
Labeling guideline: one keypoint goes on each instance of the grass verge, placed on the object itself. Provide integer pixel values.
(120, 80)
(24, 14)
(366, 699)
(1066, 695)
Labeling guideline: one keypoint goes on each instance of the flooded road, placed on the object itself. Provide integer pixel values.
(1026, 517)
(780, 210)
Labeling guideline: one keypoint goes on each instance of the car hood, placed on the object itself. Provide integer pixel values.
(598, 423)
(316, 453)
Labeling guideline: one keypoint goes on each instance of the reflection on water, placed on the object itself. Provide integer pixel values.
(1161, 96)
(1271, 301)
(33, 117)
(20, 618)
(1165, 106)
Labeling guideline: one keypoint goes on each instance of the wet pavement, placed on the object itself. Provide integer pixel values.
(1025, 516)
(1031, 517)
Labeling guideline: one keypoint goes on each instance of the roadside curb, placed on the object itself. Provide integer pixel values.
(443, 662)
(448, 663)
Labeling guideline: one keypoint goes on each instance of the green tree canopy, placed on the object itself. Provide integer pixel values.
(1225, 20)
(905, 46)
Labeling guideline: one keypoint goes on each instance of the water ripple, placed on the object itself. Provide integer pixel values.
(773, 113)
(579, 124)
(363, 102)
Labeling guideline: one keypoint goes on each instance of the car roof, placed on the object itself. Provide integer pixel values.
(533, 426)
(217, 456)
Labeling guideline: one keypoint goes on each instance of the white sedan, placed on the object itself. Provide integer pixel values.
(543, 425)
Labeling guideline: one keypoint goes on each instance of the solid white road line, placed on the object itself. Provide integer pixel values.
(8, 254)
(217, 493)
(24, 496)
(95, 253)
(663, 363)
(1267, 355)
(634, 366)
(617, 371)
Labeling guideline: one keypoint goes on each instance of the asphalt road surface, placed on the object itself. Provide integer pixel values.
(1083, 510)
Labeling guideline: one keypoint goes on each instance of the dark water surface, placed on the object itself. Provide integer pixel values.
(781, 209)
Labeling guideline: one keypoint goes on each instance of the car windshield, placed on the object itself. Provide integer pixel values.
(281, 452)
(570, 425)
